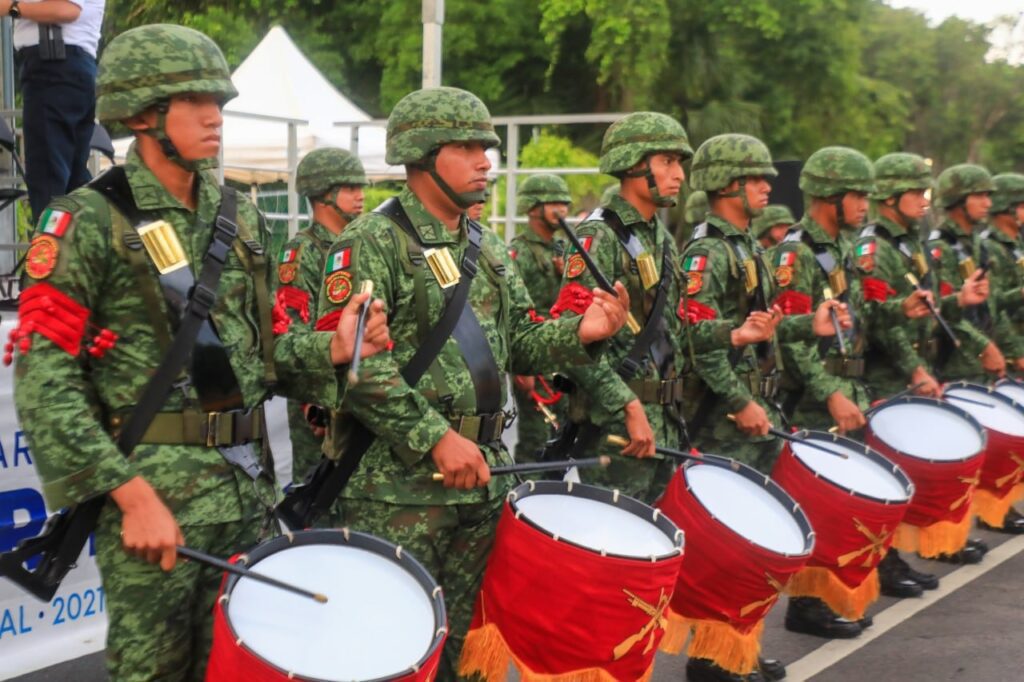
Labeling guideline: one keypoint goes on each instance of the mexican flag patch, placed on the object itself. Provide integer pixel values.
(866, 249)
(585, 242)
(695, 263)
(787, 258)
(54, 222)
(340, 260)
(288, 255)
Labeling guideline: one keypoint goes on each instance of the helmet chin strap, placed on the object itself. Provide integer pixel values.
(907, 219)
(657, 197)
(330, 200)
(837, 201)
(461, 199)
(159, 133)
(741, 192)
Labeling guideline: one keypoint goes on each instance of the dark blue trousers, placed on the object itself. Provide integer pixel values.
(59, 106)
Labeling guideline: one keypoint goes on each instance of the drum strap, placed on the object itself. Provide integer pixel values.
(830, 267)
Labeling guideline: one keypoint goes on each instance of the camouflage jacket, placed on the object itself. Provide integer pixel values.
(64, 400)
(540, 266)
(407, 421)
(1005, 260)
(601, 392)
(300, 270)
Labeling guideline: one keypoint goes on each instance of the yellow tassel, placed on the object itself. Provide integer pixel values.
(991, 509)
(725, 646)
(677, 631)
(944, 537)
(485, 653)
(848, 602)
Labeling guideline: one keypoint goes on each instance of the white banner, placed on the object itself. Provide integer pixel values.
(36, 634)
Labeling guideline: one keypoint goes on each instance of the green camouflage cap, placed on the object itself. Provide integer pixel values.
(724, 158)
(426, 119)
(148, 64)
(543, 188)
(321, 170)
(1009, 192)
(957, 182)
(772, 215)
(633, 137)
(837, 170)
(898, 173)
(696, 208)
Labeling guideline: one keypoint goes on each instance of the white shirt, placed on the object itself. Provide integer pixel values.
(83, 32)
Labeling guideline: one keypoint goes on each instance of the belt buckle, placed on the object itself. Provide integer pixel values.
(462, 429)
(212, 428)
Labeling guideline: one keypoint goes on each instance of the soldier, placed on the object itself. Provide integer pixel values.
(539, 260)
(823, 385)
(636, 392)
(694, 212)
(771, 226)
(964, 193)
(332, 180)
(195, 476)
(451, 420)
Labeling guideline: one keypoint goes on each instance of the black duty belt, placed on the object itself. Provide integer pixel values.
(655, 392)
(764, 385)
(192, 427)
(480, 428)
(849, 368)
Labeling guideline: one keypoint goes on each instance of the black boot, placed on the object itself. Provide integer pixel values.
(865, 622)
(972, 553)
(771, 669)
(812, 616)
(1013, 523)
(704, 670)
(893, 578)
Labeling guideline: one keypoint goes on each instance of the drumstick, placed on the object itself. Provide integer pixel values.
(962, 399)
(353, 371)
(882, 403)
(914, 282)
(244, 572)
(599, 277)
(835, 322)
(794, 438)
(621, 442)
(540, 467)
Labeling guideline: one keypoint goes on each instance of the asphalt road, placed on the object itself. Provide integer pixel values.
(971, 629)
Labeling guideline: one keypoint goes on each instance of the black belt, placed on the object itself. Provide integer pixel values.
(191, 427)
(656, 392)
(849, 368)
(480, 428)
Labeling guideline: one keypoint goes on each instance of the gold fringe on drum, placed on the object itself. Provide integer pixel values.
(944, 537)
(715, 641)
(992, 509)
(848, 602)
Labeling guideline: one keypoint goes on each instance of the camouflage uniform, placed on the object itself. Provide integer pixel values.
(772, 215)
(955, 254)
(694, 211)
(449, 530)
(72, 404)
(1006, 264)
(300, 271)
(539, 262)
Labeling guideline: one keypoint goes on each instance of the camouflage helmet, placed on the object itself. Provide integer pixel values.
(146, 65)
(321, 170)
(957, 182)
(696, 208)
(543, 188)
(772, 215)
(898, 173)
(837, 170)
(1009, 192)
(631, 138)
(426, 119)
(724, 158)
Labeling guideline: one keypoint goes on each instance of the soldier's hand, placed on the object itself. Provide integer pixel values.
(524, 383)
(845, 412)
(375, 338)
(759, 326)
(641, 435)
(992, 360)
(461, 462)
(929, 387)
(752, 420)
(915, 305)
(974, 290)
(148, 528)
(821, 323)
(605, 315)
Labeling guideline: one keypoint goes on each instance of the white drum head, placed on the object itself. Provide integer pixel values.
(377, 622)
(926, 431)
(858, 473)
(1002, 416)
(1012, 390)
(746, 508)
(596, 525)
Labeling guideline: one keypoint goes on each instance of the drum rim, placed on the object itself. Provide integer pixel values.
(869, 452)
(766, 482)
(991, 392)
(598, 494)
(359, 540)
(941, 404)
(1008, 381)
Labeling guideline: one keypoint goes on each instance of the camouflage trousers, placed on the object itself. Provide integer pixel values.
(452, 542)
(161, 624)
(533, 431)
(305, 446)
(718, 435)
(645, 479)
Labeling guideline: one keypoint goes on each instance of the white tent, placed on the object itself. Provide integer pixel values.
(277, 80)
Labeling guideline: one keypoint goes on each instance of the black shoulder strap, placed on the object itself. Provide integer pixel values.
(643, 342)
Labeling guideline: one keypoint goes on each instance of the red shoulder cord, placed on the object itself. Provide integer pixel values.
(550, 396)
(877, 289)
(575, 297)
(295, 299)
(44, 309)
(794, 302)
(692, 312)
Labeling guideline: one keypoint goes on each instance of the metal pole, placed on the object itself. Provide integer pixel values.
(433, 22)
(8, 219)
(353, 145)
(293, 197)
(511, 164)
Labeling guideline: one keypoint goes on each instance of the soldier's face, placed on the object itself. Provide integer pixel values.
(464, 166)
(778, 233)
(194, 121)
(1019, 212)
(977, 206)
(555, 212)
(349, 199)
(668, 173)
(913, 203)
(758, 190)
(855, 207)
